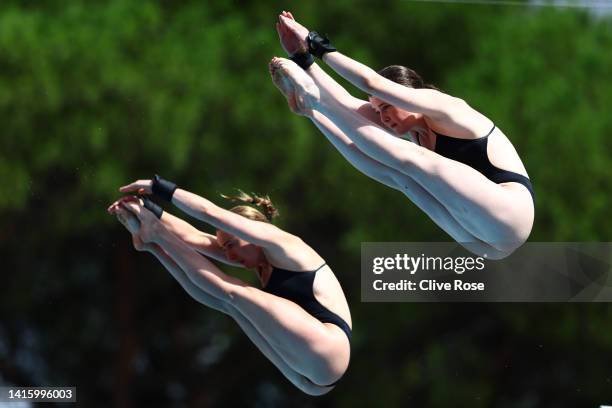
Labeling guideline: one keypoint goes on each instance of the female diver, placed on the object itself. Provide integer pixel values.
(448, 158)
(300, 319)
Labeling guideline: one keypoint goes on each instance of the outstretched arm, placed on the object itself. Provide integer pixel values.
(448, 113)
(283, 249)
(257, 232)
(430, 102)
(292, 41)
(427, 101)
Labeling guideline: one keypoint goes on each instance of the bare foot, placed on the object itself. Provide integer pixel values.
(284, 85)
(131, 223)
(141, 246)
(300, 90)
(150, 227)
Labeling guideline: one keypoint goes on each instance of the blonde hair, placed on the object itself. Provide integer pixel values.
(268, 213)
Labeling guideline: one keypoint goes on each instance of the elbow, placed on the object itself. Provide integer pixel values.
(371, 83)
(205, 211)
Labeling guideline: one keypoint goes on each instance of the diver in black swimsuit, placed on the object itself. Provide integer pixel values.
(462, 171)
(300, 320)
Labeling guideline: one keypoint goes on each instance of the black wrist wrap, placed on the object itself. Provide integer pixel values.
(163, 189)
(303, 59)
(151, 206)
(318, 44)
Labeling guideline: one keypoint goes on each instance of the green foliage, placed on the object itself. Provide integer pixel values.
(553, 76)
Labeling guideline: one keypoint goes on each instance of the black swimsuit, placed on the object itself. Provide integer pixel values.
(473, 152)
(297, 287)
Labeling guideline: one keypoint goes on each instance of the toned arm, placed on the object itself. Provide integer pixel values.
(282, 249)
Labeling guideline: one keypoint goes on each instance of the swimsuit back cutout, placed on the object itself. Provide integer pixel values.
(298, 287)
(473, 152)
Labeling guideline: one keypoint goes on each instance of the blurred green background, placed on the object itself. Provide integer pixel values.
(95, 94)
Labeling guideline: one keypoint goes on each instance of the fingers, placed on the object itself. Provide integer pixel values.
(111, 208)
(135, 186)
(114, 206)
(128, 220)
(130, 187)
(281, 29)
(285, 21)
(291, 26)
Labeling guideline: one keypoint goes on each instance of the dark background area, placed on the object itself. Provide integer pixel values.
(95, 94)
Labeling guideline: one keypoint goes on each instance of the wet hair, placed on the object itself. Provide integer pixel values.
(268, 211)
(405, 76)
